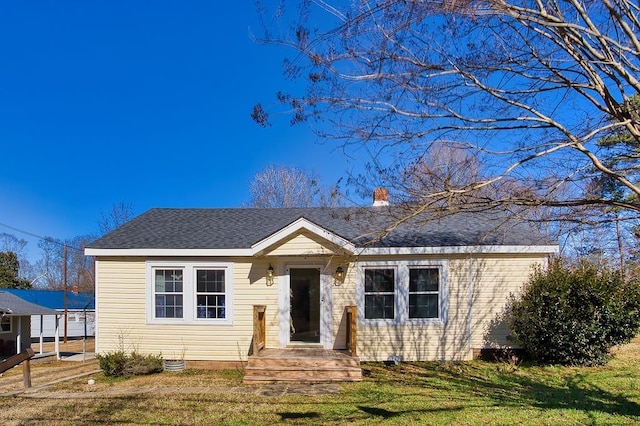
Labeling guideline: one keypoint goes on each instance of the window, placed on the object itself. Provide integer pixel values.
(210, 293)
(168, 293)
(402, 292)
(424, 286)
(189, 292)
(379, 293)
(5, 324)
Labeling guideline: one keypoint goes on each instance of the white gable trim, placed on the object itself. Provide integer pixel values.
(296, 226)
(459, 250)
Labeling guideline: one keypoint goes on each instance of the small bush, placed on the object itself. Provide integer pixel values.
(574, 315)
(112, 363)
(120, 364)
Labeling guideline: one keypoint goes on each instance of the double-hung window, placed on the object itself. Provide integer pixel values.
(169, 300)
(210, 293)
(424, 285)
(189, 292)
(379, 293)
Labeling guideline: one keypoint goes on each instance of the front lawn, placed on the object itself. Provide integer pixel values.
(418, 393)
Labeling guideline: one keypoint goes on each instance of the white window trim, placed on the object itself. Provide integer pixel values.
(226, 293)
(10, 326)
(360, 293)
(401, 296)
(443, 292)
(189, 299)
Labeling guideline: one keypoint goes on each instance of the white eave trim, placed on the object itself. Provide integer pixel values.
(459, 250)
(168, 252)
(296, 226)
(374, 251)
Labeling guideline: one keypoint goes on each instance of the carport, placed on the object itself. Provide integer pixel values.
(15, 324)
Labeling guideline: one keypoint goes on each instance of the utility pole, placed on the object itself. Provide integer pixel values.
(64, 280)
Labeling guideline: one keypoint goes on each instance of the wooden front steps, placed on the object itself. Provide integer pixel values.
(302, 365)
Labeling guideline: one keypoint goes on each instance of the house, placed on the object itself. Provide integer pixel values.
(80, 312)
(217, 285)
(15, 323)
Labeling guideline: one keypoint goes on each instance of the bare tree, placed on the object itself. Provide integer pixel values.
(279, 186)
(11, 243)
(443, 167)
(119, 214)
(51, 262)
(80, 269)
(528, 86)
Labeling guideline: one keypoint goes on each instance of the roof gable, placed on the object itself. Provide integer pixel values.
(295, 228)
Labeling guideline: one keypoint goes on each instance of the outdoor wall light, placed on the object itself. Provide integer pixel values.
(270, 275)
(338, 276)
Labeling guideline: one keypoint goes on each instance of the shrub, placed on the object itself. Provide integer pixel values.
(574, 315)
(120, 364)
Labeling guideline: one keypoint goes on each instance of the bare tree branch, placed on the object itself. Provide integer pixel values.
(530, 86)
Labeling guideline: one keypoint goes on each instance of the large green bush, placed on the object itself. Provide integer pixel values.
(121, 364)
(574, 314)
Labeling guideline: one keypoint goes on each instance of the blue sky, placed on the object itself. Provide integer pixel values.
(142, 102)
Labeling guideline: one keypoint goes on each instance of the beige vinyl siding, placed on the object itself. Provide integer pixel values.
(122, 314)
(342, 295)
(486, 281)
(495, 278)
(411, 342)
(303, 243)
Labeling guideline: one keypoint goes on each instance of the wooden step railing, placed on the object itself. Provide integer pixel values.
(23, 357)
(259, 328)
(352, 329)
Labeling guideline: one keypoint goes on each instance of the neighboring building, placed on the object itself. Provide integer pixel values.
(15, 322)
(80, 312)
(184, 282)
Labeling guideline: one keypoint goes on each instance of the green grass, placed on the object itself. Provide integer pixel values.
(468, 393)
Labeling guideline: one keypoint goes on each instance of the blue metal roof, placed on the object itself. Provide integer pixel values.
(12, 304)
(54, 299)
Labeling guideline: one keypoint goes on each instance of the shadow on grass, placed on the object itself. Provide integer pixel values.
(389, 414)
(380, 412)
(291, 416)
(542, 389)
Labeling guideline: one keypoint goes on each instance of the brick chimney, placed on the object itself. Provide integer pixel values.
(380, 197)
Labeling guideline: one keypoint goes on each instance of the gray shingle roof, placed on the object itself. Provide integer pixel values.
(13, 305)
(240, 228)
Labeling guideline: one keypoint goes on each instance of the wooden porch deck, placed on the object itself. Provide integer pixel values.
(302, 365)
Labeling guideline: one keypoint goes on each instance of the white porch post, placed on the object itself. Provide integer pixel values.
(41, 333)
(19, 335)
(57, 337)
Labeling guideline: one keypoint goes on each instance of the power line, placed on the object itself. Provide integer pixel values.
(40, 236)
